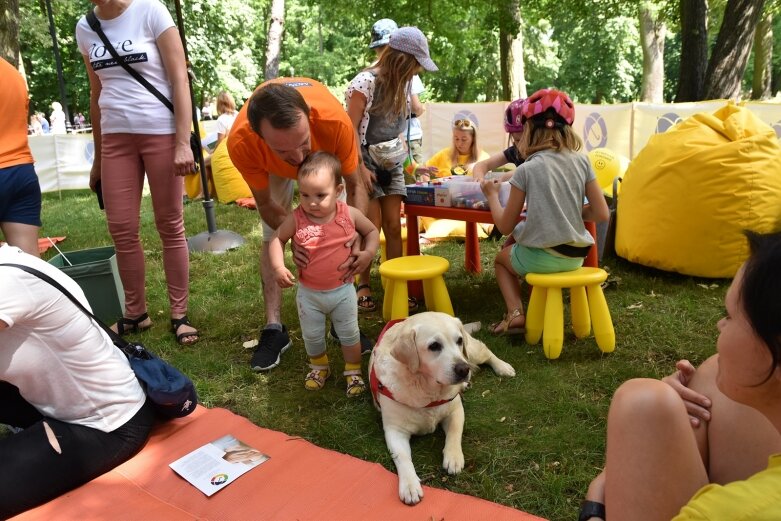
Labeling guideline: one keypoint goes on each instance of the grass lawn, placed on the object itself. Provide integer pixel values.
(532, 442)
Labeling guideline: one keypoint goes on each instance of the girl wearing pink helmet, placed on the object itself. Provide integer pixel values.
(556, 177)
(513, 125)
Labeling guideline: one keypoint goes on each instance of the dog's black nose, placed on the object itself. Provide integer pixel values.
(462, 371)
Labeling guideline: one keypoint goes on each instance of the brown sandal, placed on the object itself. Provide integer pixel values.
(503, 327)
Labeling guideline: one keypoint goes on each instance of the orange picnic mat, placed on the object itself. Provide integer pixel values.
(247, 202)
(300, 482)
(47, 242)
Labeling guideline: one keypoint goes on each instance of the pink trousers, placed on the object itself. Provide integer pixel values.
(125, 159)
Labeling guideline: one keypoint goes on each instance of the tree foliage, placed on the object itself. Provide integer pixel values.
(226, 44)
(9, 37)
(37, 54)
(590, 48)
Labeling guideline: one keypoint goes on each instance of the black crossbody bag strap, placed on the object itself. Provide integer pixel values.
(120, 342)
(94, 24)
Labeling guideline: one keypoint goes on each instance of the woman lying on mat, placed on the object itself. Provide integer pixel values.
(658, 467)
(65, 387)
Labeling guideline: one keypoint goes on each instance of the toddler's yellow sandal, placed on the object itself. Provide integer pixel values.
(355, 384)
(315, 379)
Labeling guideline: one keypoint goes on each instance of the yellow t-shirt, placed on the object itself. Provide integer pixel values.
(757, 498)
(441, 160)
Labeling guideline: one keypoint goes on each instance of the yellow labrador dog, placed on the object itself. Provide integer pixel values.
(417, 373)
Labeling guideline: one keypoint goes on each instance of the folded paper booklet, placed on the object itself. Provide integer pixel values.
(217, 464)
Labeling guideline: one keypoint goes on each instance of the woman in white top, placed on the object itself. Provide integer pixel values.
(135, 134)
(226, 108)
(63, 382)
(57, 119)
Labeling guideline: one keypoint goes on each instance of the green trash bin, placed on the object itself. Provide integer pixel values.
(95, 271)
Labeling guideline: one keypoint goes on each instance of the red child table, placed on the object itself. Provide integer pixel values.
(471, 218)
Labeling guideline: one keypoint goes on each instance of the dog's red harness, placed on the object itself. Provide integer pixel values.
(377, 387)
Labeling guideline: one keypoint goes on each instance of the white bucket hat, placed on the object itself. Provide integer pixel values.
(381, 31)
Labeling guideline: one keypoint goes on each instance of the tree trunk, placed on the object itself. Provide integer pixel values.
(9, 31)
(763, 59)
(464, 80)
(274, 44)
(733, 46)
(652, 34)
(511, 52)
(694, 49)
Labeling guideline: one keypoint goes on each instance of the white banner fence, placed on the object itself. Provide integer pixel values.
(63, 162)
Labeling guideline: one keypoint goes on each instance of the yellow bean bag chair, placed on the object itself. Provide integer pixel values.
(689, 194)
(447, 228)
(228, 182)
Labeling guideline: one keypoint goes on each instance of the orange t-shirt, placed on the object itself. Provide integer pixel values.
(330, 130)
(14, 149)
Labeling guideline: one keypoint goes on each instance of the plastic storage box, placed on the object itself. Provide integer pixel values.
(422, 194)
(468, 195)
(95, 271)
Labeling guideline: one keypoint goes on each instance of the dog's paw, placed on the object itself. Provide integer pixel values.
(453, 461)
(410, 491)
(502, 368)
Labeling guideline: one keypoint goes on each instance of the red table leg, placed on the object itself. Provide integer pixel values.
(592, 259)
(414, 287)
(472, 249)
(413, 235)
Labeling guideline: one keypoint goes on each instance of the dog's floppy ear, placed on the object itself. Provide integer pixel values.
(465, 337)
(466, 344)
(404, 347)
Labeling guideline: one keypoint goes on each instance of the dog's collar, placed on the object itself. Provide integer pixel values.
(378, 388)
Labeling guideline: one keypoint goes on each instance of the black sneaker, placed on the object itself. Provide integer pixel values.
(367, 344)
(270, 348)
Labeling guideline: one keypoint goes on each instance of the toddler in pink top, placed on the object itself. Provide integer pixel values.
(322, 225)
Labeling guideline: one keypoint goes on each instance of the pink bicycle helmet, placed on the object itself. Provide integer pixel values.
(546, 106)
(513, 116)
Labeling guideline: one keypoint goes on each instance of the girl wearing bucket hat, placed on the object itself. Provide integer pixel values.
(381, 31)
(378, 103)
(513, 125)
(556, 178)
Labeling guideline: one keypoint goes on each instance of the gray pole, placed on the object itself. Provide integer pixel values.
(212, 240)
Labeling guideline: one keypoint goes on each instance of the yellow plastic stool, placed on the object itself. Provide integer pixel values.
(545, 316)
(426, 268)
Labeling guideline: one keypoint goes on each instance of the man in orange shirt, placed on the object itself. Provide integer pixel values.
(20, 193)
(284, 120)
